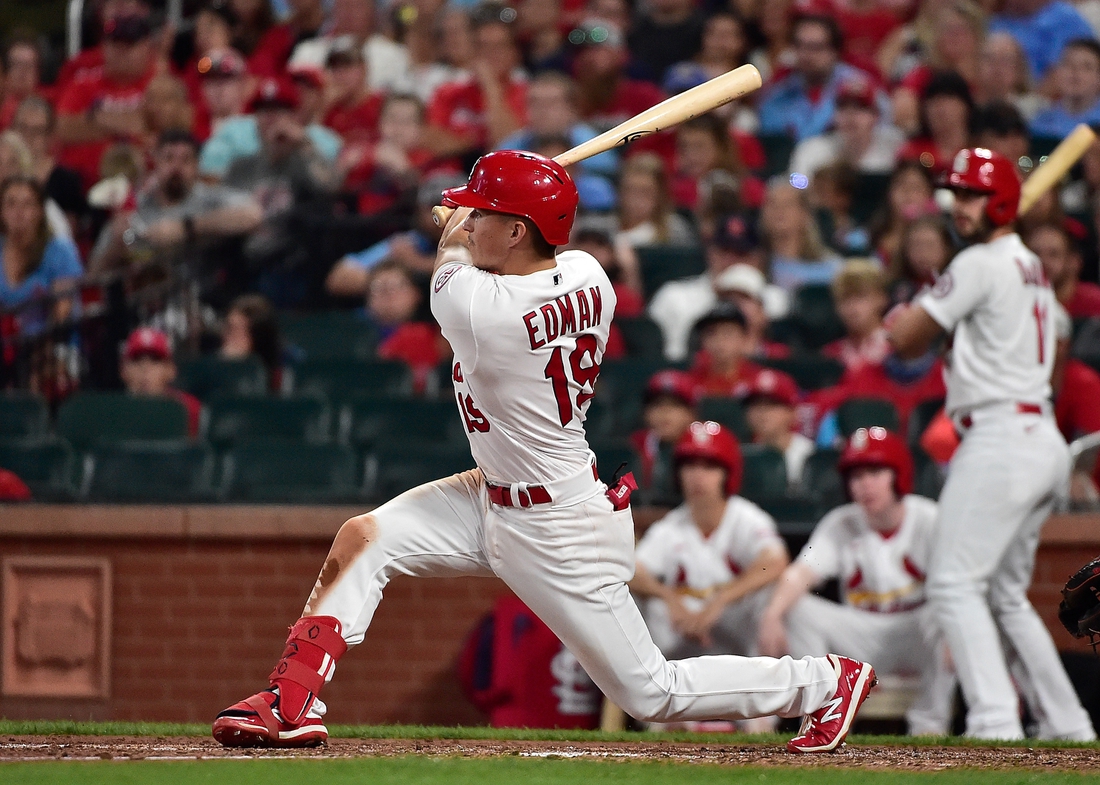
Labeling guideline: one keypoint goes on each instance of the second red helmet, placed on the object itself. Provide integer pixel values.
(520, 183)
(710, 441)
(878, 447)
(983, 171)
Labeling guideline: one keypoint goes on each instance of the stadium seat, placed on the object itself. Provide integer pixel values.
(856, 413)
(150, 472)
(621, 385)
(921, 416)
(391, 471)
(821, 480)
(45, 464)
(23, 415)
(810, 371)
(765, 475)
(816, 315)
(87, 419)
(777, 153)
(288, 472)
(336, 335)
(928, 478)
(784, 331)
(609, 459)
(794, 515)
(233, 420)
(643, 338)
(728, 412)
(663, 263)
(205, 377)
(339, 380)
(601, 424)
(367, 421)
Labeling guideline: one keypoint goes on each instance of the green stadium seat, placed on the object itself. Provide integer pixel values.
(46, 464)
(821, 480)
(784, 331)
(765, 474)
(810, 372)
(621, 386)
(290, 473)
(643, 338)
(367, 421)
(663, 263)
(392, 471)
(1040, 146)
(176, 472)
(337, 335)
(339, 380)
(88, 419)
(233, 420)
(869, 196)
(816, 315)
(609, 459)
(777, 153)
(601, 424)
(23, 415)
(928, 479)
(920, 418)
(205, 377)
(728, 412)
(793, 514)
(856, 413)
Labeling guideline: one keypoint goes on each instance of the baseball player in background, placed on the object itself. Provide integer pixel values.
(996, 303)
(702, 569)
(528, 328)
(877, 548)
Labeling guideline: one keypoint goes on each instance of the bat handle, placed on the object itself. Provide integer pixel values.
(441, 215)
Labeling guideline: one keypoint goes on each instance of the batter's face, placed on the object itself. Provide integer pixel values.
(872, 488)
(969, 215)
(491, 238)
(701, 480)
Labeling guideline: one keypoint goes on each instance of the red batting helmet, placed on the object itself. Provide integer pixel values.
(519, 183)
(710, 441)
(983, 171)
(878, 447)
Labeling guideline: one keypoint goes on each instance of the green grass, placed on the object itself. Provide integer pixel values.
(59, 727)
(424, 770)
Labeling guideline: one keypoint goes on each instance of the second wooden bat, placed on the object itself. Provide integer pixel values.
(1051, 171)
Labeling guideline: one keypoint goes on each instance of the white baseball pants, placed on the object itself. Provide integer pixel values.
(903, 643)
(570, 565)
(1002, 485)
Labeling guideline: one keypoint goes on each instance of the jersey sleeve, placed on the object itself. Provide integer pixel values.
(822, 553)
(755, 533)
(654, 551)
(456, 286)
(961, 288)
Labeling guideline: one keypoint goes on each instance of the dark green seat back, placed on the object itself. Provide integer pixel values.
(151, 472)
(46, 464)
(234, 420)
(339, 380)
(396, 422)
(292, 473)
(205, 377)
(87, 419)
(856, 413)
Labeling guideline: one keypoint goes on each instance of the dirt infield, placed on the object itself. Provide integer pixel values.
(913, 758)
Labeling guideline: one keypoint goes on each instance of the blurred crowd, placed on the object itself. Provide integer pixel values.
(265, 157)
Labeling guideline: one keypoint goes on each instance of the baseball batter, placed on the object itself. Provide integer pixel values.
(996, 303)
(877, 547)
(528, 329)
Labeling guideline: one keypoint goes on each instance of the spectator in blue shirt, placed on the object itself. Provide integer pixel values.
(34, 264)
(1043, 28)
(1079, 78)
(802, 103)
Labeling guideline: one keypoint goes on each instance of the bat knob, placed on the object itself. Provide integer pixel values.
(441, 215)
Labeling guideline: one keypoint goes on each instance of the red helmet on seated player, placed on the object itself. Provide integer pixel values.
(983, 171)
(519, 183)
(709, 441)
(878, 447)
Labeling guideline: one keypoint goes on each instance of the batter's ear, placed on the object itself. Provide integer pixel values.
(519, 231)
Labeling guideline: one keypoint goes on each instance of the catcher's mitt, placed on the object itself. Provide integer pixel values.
(1079, 610)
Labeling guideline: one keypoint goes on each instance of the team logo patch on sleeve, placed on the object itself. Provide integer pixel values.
(444, 275)
(943, 286)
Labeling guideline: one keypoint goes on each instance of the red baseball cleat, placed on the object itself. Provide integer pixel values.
(825, 729)
(256, 722)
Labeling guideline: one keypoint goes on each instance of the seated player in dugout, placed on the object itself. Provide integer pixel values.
(669, 408)
(877, 547)
(703, 569)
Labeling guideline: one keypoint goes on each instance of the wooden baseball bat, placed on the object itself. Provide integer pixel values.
(672, 111)
(1051, 171)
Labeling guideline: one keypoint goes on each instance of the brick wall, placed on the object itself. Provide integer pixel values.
(202, 598)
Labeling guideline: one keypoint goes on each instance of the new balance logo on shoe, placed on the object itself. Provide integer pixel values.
(832, 710)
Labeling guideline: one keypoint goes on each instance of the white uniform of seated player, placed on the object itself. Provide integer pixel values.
(703, 569)
(877, 547)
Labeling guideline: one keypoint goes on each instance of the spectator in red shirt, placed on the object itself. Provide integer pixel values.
(1062, 263)
(669, 408)
(352, 110)
(252, 329)
(477, 112)
(147, 368)
(394, 298)
(108, 105)
(859, 292)
(704, 148)
(745, 286)
(310, 83)
(213, 34)
(274, 48)
(254, 19)
(22, 72)
(606, 96)
(225, 88)
(721, 368)
(89, 61)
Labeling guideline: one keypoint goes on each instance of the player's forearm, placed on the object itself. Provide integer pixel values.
(644, 584)
(912, 331)
(767, 568)
(347, 280)
(792, 585)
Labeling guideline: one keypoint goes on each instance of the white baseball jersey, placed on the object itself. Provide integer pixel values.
(677, 553)
(876, 572)
(527, 353)
(997, 300)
